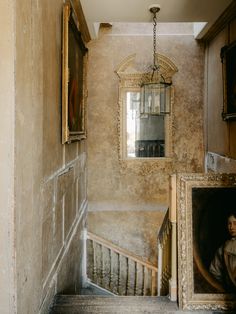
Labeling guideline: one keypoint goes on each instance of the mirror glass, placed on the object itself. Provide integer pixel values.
(145, 132)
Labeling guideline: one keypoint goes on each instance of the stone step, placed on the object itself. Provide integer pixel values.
(77, 304)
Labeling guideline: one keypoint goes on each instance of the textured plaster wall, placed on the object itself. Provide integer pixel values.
(7, 117)
(220, 134)
(109, 184)
(135, 231)
(50, 178)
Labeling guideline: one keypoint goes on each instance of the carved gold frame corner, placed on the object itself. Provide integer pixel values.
(188, 299)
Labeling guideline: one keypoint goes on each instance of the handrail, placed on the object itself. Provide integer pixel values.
(164, 255)
(164, 226)
(121, 251)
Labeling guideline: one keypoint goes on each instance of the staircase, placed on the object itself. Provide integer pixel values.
(118, 270)
(67, 304)
(123, 273)
(131, 281)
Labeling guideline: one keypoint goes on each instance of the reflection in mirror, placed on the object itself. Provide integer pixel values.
(145, 132)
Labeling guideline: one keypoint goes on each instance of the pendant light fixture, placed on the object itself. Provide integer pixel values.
(155, 91)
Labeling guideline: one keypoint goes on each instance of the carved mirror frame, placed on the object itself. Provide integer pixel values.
(130, 78)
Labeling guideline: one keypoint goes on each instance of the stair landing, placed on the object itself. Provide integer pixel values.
(78, 304)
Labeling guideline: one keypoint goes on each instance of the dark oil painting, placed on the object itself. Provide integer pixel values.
(214, 248)
(228, 57)
(76, 53)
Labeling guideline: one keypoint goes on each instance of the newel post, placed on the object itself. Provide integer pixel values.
(84, 258)
(173, 221)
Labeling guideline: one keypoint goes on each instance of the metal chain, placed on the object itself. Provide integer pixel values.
(155, 67)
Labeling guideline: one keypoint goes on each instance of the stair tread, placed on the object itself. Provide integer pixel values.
(81, 304)
(101, 299)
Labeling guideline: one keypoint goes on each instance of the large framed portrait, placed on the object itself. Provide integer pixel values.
(228, 59)
(74, 90)
(206, 220)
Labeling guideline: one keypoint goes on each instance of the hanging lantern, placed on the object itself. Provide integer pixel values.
(155, 91)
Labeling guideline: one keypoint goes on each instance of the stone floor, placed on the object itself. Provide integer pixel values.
(118, 305)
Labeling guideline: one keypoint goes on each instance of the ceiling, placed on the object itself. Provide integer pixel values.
(136, 11)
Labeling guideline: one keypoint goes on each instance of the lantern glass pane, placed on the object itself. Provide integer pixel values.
(145, 131)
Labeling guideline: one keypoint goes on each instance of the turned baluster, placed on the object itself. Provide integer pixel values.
(102, 267)
(143, 280)
(153, 283)
(94, 261)
(135, 278)
(110, 272)
(127, 276)
(119, 275)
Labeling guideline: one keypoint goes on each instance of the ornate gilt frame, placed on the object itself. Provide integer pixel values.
(188, 298)
(130, 78)
(70, 22)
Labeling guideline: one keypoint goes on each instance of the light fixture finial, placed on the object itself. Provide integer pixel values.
(154, 8)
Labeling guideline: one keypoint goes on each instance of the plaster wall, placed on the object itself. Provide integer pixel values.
(7, 117)
(220, 134)
(135, 231)
(50, 178)
(109, 183)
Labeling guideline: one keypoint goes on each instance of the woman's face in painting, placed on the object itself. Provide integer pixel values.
(232, 226)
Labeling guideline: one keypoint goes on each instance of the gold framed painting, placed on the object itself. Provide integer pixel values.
(74, 90)
(206, 242)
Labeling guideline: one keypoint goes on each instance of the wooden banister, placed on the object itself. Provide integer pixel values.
(164, 255)
(118, 250)
(119, 270)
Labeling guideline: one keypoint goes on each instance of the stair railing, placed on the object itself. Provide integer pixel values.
(118, 270)
(164, 256)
